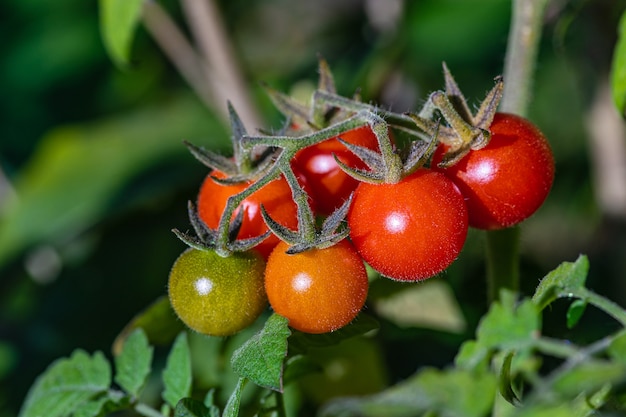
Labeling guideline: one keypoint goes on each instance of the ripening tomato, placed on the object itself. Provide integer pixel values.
(410, 230)
(329, 185)
(214, 295)
(275, 197)
(508, 180)
(319, 290)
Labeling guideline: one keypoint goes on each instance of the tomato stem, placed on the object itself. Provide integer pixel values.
(502, 261)
(521, 55)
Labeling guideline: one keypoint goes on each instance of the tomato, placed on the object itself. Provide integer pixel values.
(319, 290)
(508, 180)
(274, 196)
(217, 296)
(410, 230)
(329, 185)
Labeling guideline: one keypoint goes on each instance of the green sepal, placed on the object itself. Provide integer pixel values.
(455, 94)
(372, 159)
(371, 177)
(283, 232)
(211, 159)
(321, 242)
(191, 241)
(337, 217)
(419, 154)
(295, 111)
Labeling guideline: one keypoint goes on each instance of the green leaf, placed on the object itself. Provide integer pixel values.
(301, 342)
(209, 402)
(505, 382)
(177, 373)
(158, 321)
(575, 312)
(450, 393)
(106, 404)
(566, 277)
(261, 358)
(617, 349)
(118, 22)
(132, 365)
(618, 69)
(67, 384)
(188, 407)
(472, 356)
(509, 327)
(232, 406)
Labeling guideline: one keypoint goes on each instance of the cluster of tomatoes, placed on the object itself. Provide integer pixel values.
(407, 230)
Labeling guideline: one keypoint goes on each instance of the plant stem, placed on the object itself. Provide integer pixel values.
(521, 56)
(557, 348)
(502, 261)
(221, 68)
(604, 304)
(179, 51)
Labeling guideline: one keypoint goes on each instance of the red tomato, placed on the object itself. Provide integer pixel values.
(319, 290)
(275, 197)
(506, 181)
(328, 184)
(411, 230)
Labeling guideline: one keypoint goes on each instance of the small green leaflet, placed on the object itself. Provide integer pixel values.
(232, 406)
(575, 312)
(261, 358)
(68, 384)
(177, 373)
(505, 381)
(133, 364)
(618, 69)
(566, 277)
(118, 22)
(509, 326)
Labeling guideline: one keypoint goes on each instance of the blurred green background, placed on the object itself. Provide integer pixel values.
(94, 175)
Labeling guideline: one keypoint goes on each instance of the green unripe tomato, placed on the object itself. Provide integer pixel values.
(217, 296)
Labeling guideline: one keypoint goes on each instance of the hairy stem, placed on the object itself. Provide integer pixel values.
(502, 261)
(604, 304)
(521, 54)
(520, 60)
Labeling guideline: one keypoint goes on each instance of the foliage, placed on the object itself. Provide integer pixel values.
(93, 175)
(505, 357)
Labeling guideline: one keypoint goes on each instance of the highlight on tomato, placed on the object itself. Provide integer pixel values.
(318, 290)
(217, 296)
(506, 181)
(410, 230)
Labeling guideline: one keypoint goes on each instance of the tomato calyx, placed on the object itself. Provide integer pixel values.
(206, 238)
(464, 131)
(245, 167)
(389, 166)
